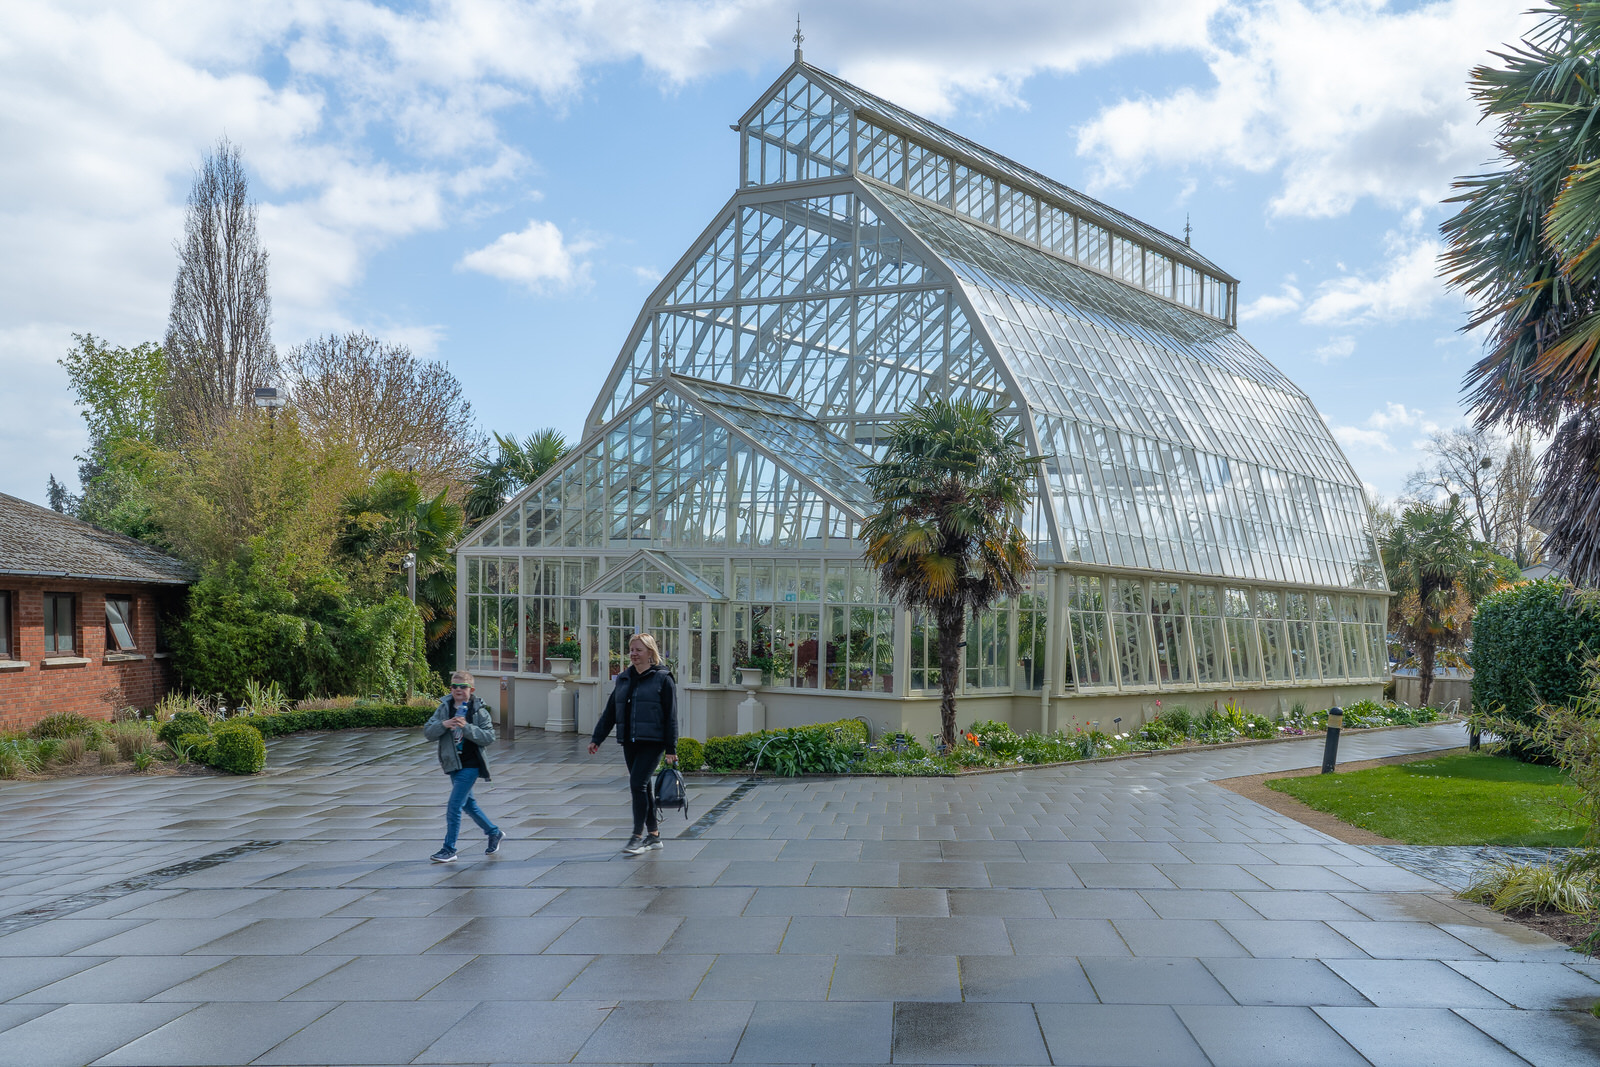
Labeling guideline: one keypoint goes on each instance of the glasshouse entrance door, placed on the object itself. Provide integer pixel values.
(664, 622)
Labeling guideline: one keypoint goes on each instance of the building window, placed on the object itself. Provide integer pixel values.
(60, 622)
(119, 623)
(5, 625)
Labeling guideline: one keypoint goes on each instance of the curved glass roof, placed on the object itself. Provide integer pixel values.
(838, 289)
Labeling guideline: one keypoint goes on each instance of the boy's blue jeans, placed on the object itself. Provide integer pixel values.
(461, 799)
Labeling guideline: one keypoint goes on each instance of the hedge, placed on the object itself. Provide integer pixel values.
(823, 748)
(368, 716)
(1528, 648)
(237, 747)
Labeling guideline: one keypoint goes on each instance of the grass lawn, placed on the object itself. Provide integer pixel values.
(1468, 798)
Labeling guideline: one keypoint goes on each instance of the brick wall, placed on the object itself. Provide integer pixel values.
(28, 693)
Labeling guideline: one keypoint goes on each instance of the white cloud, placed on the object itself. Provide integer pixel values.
(1336, 348)
(537, 256)
(1344, 100)
(1350, 436)
(1272, 305)
(1408, 288)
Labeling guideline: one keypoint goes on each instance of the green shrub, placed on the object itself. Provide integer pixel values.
(1528, 648)
(691, 754)
(727, 754)
(367, 716)
(184, 722)
(848, 731)
(199, 747)
(62, 724)
(238, 747)
(18, 756)
(131, 738)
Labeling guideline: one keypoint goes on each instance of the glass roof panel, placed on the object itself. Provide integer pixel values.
(1166, 396)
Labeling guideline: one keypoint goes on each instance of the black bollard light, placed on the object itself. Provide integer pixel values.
(1330, 748)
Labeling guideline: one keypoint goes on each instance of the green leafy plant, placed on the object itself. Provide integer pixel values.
(18, 756)
(691, 754)
(107, 753)
(62, 724)
(266, 699)
(569, 649)
(238, 748)
(183, 722)
(142, 761)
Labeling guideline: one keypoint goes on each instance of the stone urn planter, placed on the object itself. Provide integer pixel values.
(558, 718)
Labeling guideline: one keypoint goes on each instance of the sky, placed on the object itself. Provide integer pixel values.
(499, 184)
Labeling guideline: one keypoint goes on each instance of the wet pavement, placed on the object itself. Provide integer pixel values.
(1126, 912)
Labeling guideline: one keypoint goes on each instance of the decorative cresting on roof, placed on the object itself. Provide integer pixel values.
(814, 125)
(690, 464)
(38, 542)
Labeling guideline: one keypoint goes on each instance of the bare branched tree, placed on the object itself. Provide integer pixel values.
(381, 401)
(1495, 478)
(219, 338)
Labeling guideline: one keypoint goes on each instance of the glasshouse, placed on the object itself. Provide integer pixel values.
(1200, 536)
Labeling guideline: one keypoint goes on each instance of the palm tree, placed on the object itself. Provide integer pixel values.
(518, 464)
(390, 518)
(1524, 248)
(1438, 573)
(945, 539)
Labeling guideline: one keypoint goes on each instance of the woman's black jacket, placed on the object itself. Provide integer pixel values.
(643, 708)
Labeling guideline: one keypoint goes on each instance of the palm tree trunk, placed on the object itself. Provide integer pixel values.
(950, 627)
(1425, 671)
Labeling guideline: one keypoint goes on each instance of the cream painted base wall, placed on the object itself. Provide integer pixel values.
(707, 713)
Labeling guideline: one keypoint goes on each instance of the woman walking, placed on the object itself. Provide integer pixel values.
(644, 709)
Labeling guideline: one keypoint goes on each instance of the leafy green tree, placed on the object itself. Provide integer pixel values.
(1438, 573)
(1524, 249)
(516, 465)
(945, 539)
(121, 393)
(392, 517)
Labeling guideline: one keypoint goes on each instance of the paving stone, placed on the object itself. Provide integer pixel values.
(839, 1032)
(1153, 981)
(517, 935)
(126, 980)
(1006, 903)
(962, 935)
(668, 1031)
(967, 1033)
(728, 933)
(638, 977)
(1283, 982)
(1177, 937)
(1197, 904)
(385, 1032)
(76, 1034)
(813, 935)
(1417, 1037)
(1023, 979)
(251, 978)
(1118, 1035)
(216, 1033)
(1065, 937)
(1098, 904)
(786, 977)
(518, 1032)
(1544, 1039)
(1405, 940)
(519, 978)
(1267, 1037)
(22, 974)
(381, 978)
(932, 902)
(1533, 985)
(885, 978)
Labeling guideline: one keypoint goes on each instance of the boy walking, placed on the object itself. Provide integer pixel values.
(463, 729)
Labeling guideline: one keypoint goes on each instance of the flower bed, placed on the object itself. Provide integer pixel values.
(841, 748)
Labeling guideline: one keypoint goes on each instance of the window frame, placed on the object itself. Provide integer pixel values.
(8, 603)
(114, 643)
(52, 628)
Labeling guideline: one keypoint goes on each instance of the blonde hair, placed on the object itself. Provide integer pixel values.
(649, 643)
(461, 678)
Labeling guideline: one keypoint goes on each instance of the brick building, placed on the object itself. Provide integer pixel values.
(78, 616)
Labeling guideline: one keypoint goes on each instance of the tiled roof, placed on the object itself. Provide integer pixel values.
(39, 542)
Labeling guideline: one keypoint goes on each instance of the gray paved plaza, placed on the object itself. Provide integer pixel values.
(1118, 913)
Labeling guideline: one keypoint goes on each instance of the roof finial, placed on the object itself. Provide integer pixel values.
(1185, 227)
(799, 57)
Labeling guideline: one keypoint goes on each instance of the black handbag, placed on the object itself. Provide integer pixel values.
(670, 789)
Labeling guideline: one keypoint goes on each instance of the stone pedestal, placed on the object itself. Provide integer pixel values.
(752, 713)
(559, 718)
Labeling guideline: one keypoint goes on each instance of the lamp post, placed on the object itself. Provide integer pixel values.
(411, 591)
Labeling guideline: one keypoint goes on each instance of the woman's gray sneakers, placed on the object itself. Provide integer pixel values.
(635, 846)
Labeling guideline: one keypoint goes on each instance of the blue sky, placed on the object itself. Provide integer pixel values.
(499, 184)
